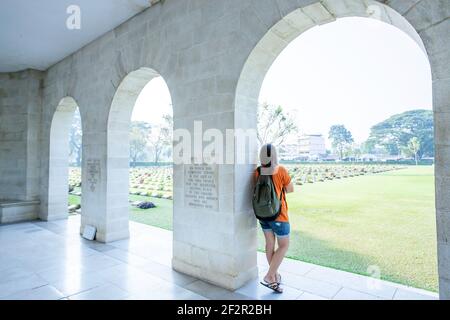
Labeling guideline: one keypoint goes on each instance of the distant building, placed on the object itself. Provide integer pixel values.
(307, 147)
(289, 152)
(312, 146)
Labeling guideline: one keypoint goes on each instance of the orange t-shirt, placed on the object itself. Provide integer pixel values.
(281, 179)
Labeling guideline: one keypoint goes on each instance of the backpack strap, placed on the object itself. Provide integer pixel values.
(258, 169)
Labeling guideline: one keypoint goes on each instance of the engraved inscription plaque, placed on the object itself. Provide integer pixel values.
(201, 186)
(93, 170)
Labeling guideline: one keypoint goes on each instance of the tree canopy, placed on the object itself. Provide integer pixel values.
(139, 133)
(75, 139)
(274, 124)
(160, 138)
(341, 138)
(396, 132)
(149, 141)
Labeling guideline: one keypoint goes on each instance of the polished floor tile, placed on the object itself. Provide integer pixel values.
(207, 290)
(309, 296)
(311, 286)
(78, 282)
(46, 292)
(49, 260)
(105, 292)
(22, 284)
(350, 294)
(355, 282)
(402, 294)
(256, 290)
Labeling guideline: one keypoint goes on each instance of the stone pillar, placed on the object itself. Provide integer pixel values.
(441, 105)
(213, 240)
(102, 206)
(56, 198)
(214, 231)
(98, 203)
(435, 37)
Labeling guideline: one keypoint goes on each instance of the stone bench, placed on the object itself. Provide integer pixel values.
(17, 210)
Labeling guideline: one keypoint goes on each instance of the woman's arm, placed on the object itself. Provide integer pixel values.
(290, 187)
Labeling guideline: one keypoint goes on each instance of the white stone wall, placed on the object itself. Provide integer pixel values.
(20, 109)
(13, 211)
(195, 46)
(213, 55)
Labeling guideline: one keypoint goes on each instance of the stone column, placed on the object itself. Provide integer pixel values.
(435, 34)
(98, 202)
(214, 240)
(214, 230)
(57, 197)
(441, 103)
(99, 199)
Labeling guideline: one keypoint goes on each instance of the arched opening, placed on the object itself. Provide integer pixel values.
(322, 248)
(65, 150)
(151, 187)
(139, 152)
(75, 161)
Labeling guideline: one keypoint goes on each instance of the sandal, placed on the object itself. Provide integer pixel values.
(275, 286)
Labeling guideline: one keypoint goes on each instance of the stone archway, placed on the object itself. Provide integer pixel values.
(214, 55)
(118, 154)
(292, 25)
(57, 197)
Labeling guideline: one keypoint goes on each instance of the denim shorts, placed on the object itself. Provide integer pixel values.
(281, 229)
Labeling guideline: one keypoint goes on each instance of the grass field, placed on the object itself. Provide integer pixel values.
(160, 217)
(385, 220)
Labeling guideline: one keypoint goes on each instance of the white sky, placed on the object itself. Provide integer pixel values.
(153, 102)
(355, 71)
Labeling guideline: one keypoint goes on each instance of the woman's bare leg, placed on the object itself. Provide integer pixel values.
(270, 245)
(277, 258)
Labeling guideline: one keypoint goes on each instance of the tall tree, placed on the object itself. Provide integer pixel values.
(75, 139)
(274, 124)
(138, 140)
(341, 139)
(368, 146)
(413, 148)
(395, 133)
(357, 152)
(161, 137)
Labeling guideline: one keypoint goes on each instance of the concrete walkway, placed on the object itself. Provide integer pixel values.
(49, 260)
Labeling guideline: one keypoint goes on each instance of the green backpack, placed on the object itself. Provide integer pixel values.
(266, 205)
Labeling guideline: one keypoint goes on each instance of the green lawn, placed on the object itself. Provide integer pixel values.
(160, 217)
(386, 220)
(74, 199)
